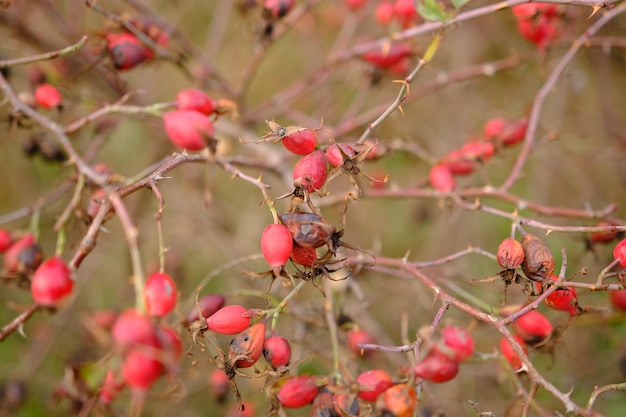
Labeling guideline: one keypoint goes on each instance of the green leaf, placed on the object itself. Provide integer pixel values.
(432, 11)
(459, 3)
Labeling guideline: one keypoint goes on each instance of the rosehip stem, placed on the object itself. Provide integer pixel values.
(602, 274)
(404, 89)
(45, 56)
(279, 309)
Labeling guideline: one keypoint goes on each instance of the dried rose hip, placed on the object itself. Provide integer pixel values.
(310, 230)
(297, 391)
(277, 351)
(276, 245)
(399, 401)
(51, 282)
(538, 262)
(228, 320)
(436, 368)
(208, 304)
(246, 348)
(510, 253)
(456, 344)
(372, 383)
(48, 96)
(160, 294)
(509, 354)
(23, 256)
(441, 178)
(311, 171)
(533, 328)
(126, 50)
(188, 129)
(301, 142)
(303, 256)
(193, 99)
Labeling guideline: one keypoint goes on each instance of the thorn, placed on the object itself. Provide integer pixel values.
(405, 258)
(595, 10)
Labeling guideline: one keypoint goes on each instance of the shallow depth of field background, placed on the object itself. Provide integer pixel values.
(578, 163)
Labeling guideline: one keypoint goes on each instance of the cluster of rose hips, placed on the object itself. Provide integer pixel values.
(50, 280)
(148, 347)
(402, 12)
(498, 132)
(189, 126)
(394, 398)
(537, 263)
(531, 329)
(127, 51)
(540, 23)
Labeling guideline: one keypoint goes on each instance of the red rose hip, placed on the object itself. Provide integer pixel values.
(193, 99)
(297, 391)
(51, 282)
(229, 320)
(188, 129)
(436, 368)
(160, 294)
(276, 245)
(311, 171)
(302, 142)
(372, 383)
(48, 96)
(277, 351)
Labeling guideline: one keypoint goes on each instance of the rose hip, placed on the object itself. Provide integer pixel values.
(436, 367)
(194, 99)
(533, 328)
(311, 171)
(246, 348)
(51, 282)
(23, 256)
(441, 178)
(5, 240)
(510, 253)
(297, 391)
(228, 320)
(208, 304)
(188, 129)
(48, 96)
(399, 401)
(277, 351)
(301, 142)
(456, 344)
(334, 155)
(510, 355)
(160, 294)
(276, 245)
(372, 383)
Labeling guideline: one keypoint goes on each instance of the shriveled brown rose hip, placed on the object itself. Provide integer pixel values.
(510, 253)
(538, 262)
